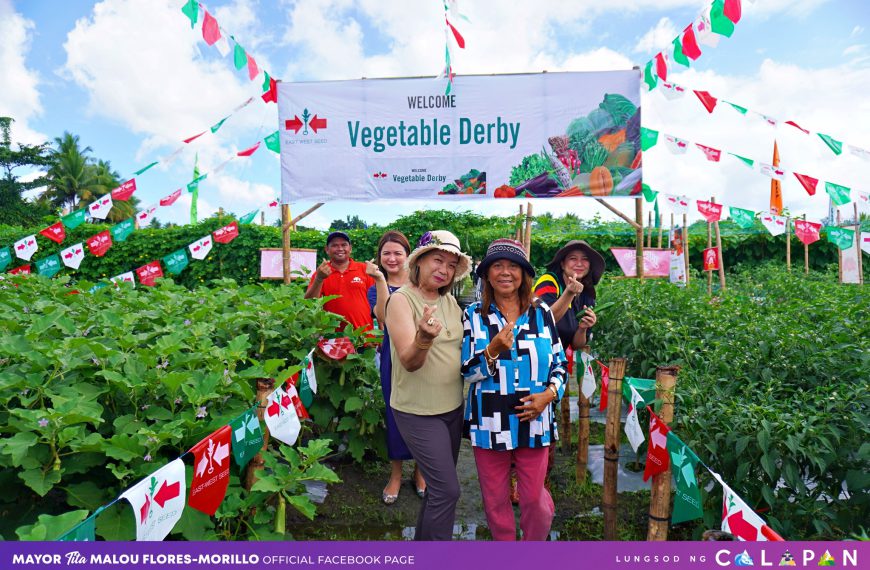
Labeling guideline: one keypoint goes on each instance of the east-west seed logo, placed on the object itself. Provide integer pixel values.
(314, 122)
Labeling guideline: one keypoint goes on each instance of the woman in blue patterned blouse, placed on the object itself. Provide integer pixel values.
(514, 362)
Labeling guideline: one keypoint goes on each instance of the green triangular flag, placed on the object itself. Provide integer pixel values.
(649, 76)
(248, 218)
(307, 380)
(833, 144)
(217, 125)
(687, 495)
(657, 215)
(678, 55)
(719, 22)
(645, 387)
(648, 193)
(843, 238)
(240, 58)
(82, 532)
(176, 262)
(5, 258)
(741, 110)
(194, 184)
(247, 437)
(191, 10)
(48, 266)
(747, 161)
(743, 218)
(267, 83)
(839, 194)
(75, 219)
(122, 230)
(648, 138)
(273, 142)
(141, 170)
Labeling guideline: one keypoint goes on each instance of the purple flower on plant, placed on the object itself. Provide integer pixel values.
(95, 361)
(147, 457)
(201, 301)
(145, 406)
(25, 391)
(43, 422)
(26, 310)
(178, 400)
(201, 412)
(187, 322)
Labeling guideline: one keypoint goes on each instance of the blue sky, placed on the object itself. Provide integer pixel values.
(132, 80)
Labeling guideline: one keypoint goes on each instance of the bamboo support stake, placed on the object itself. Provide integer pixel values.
(839, 252)
(304, 214)
(262, 218)
(625, 218)
(527, 240)
(611, 446)
(858, 245)
(660, 492)
(519, 232)
(638, 214)
(649, 230)
(661, 229)
(806, 255)
(565, 408)
(582, 427)
(285, 242)
(686, 244)
(265, 386)
(788, 244)
(719, 253)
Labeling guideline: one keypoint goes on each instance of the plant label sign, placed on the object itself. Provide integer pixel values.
(711, 259)
(157, 501)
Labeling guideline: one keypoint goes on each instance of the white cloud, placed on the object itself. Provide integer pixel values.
(19, 98)
(857, 31)
(856, 49)
(657, 38)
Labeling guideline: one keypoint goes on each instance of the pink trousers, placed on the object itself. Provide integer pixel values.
(536, 504)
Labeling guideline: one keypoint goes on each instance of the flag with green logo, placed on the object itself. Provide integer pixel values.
(273, 142)
(247, 437)
(48, 266)
(307, 381)
(648, 138)
(839, 194)
(687, 495)
(122, 230)
(75, 219)
(843, 238)
(248, 218)
(743, 218)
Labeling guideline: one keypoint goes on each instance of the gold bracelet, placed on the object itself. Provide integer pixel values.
(555, 392)
(422, 346)
(488, 356)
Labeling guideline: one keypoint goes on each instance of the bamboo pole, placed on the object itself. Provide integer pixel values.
(527, 240)
(719, 253)
(519, 232)
(709, 245)
(660, 492)
(806, 255)
(285, 241)
(686, 244)
(265, 386)
(788, 244)
(582, 428)
(858, 245)
(661, 229)
(304, 214)
(638, 214)
(565, 407)
(262, 218)
(839, 252)
(611, 446)
(625, 218)
(649, 230)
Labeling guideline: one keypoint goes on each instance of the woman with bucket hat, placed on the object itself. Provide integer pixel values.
(514, 362)
(568, 287)
(425, 324)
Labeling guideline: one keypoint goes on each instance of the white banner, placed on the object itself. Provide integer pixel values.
(531, 135)
(849, 260)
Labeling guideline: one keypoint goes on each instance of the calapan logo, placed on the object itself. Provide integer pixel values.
(804, 558)
(315, 123)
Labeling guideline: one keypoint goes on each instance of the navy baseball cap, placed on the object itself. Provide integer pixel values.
(333, 235)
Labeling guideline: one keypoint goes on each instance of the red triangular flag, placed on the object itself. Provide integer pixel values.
(54, 232)
(707, 100)
(809, 183)
(732, 10)
(460, 41)
(125, 190)
(211, 31)
(194, 137)
(249, 151)
(605, 382)
(271, 94)
(211, 471)
(149, 272)
(169, 200)
(657, 458)
(253, 70)
(712, 154)
(99, 243)
(690, 43)
(661, 66)
(226, 234)
(797, 126)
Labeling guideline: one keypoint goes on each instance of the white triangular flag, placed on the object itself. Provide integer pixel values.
(671, 91)
(859, 152)
(774, 224)
(26, 247)
(676, 145)
(772, 171)
(124, 278)
(704, 30)
(587, 386)
(72, 256)
(158, 501)
(200, 248)
(309, 371)
(100, 209)
(144, 217)
(632, 424)
(223, 46)
(281, 418)
(678, 204)
(864, 240)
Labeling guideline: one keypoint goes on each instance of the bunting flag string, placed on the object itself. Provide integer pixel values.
(451, 10)
(158, 500)
(672, 91)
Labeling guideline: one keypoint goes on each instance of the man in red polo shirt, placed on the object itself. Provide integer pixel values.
(340, 275)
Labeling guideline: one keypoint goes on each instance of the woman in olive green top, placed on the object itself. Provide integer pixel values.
(425, 324)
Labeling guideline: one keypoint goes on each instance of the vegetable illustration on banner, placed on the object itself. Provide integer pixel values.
(149, 272)
(227, 233)
(99, 244)
(247, 437)
(72, 256)
(157, 501)
(211, 471)
(200, 248)
(25, 247)
(54, 232)
(807, 232)
(100, 209)
(281, 418)
(124, 191)
(711, 259)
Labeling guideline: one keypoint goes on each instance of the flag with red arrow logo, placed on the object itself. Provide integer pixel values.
(149, 273)
(26, 247)
(741, 521)
(227, 233)
(712, 212)
(679, 204)
(101, 208)
(99, 243)
(281, 418)
(144, 217)
(158, 501)
(200, 248)
(125, 190)
(170, 200)
(657, 458)
(211, 471)
(72, 256)
(54, 232)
